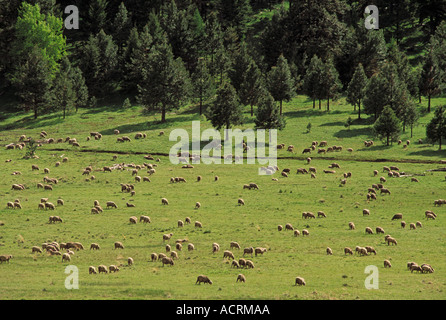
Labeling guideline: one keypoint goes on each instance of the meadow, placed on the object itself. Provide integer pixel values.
(338, 276)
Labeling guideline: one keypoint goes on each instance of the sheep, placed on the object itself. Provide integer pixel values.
(187, 220)
(66, 257)
(391, 240)
(118, 245)
(418, 224)
(260, 251)
(133, 220)
(10, 205)
(130, 261)
(384, 190)
(241, 202)
(414, 180)
(49, 205)
(234, 244)
(94, 211)
(203, 279)
(412, 226)
(329, 251)
(60, 202)
(362, 251)
(368, 230)
(48, 187)
(168, 248)
(228, 254)
(179, 246)
(249, 250)
(164, 201)
(197, 205)
(387, 264)
(167, 236)
(34, 167)
(296, 233)
(321, 214)
(113, 268)
(348, 250)
(36, 249)
(249, 264)
(430, 212)
(415, 267)
(254, 186)
(305, 232)
(94, 246)
(279, 227)
(397, 216)
(215, 247)
(430, 216)
(351, 226)
(190, 247)
(299, 281)
(167, 260)
(370, 249)
(289, 226)
(154, 257)
(92, 270)
(198, 224)
(379, 230)
(111, 204)
(427, 268)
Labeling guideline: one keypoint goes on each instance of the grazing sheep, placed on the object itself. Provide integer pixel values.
(167, 236)
(305, 232)
(254, 186)
(235, 264)
(203, 279)
(418, 224)
(260, 251)
(249, 264)
(111, 204)
(329, 251)
(289, 226)
(415, 267)
(299, 281)
(412, 226)
(387, 264)
(167, 260)
(362, 251)
(215, 247)
(228, 254)
(198, 224)
(197, 205)
(321, 214)
(234, 244)
(370, 249)
(102, 269)
(368, 230)
(187, 220)
(391, 240)
(92, 270)
(164, 201)
(379, 230)
(384, 190)
(279, 227)
(144, 219)
(241, 278)
(130, 261)
(119, 245)
(348, 250)
(36, 249)
(179, 246)
(249, 250)
(296, 233)
(241, 202)
(133, 220)
(190, 247)
(113, 268)
(397, 216)
(66, 257)
(351, 226)
(154, 257)
(94, 246)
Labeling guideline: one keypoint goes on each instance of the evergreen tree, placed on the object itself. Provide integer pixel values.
(431, 77)
(372, 50)
(411, 117)
(436, 129)
(268, 114)
(96, 18)
(226, 110)
(32, 80)
(313, 79)
(202, 82)
(356, 88)
(63, 94)
(252, 86)
(279, 81)
(121, 27)
(165, 82)
(234, 13)
(98, 64)
(331, 84)
(79, 87)
(387, 125)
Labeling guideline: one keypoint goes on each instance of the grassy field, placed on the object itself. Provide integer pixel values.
(40, 276)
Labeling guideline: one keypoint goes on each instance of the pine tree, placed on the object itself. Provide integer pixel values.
(226, 110)
(431, 77)
(387, 125)
(267, 114)
(165, 82)
(372, 50)
(252, 86)
(356, 88)
(32, 80)
(279, 81)
(436, 129)
(313, 79)
(331, 84)
(96, 18)
(121, 27)
(202, 82)
(63, 95)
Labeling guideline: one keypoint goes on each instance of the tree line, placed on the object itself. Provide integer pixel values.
(222, 56)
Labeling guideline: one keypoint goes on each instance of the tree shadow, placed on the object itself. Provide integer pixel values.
(365, 131)
(429, 153)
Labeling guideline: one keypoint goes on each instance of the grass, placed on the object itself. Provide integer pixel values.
(39, 276)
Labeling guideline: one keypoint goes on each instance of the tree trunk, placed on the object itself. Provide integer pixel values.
(35, 112)
(163, 114)
(280, 107)
(314, 103)
(359, 110)
(328, 104)
(411, 131)
(201, 104)
(64, 113)
(252, 110)
(388, 139)
(320, 104)
(440, 143)
(429, 103)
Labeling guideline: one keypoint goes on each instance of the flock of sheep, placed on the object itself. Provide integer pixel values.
(170, 255)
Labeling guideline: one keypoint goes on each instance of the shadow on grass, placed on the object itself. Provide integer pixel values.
(429, 153)
(365, 131)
